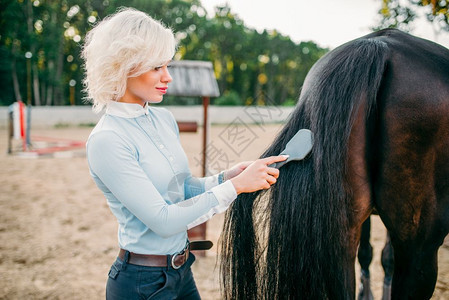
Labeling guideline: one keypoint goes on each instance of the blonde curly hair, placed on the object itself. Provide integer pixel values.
(125, 44)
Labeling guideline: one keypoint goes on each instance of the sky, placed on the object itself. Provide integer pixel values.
(328, 23)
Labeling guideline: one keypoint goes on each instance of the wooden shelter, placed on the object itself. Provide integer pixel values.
(195, 79)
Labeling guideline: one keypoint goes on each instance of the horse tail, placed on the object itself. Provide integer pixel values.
(291, 242)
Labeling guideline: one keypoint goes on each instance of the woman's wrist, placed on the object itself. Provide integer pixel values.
(236, 184)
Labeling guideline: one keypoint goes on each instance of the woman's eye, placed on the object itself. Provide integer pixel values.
(158, 68)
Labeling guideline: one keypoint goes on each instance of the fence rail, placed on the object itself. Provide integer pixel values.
(51, 116)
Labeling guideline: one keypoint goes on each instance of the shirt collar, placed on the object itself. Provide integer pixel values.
(126, 110)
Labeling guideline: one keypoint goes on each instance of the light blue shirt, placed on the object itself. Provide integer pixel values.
(136, 159)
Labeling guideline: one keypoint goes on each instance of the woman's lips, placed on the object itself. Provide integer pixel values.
(163, 90)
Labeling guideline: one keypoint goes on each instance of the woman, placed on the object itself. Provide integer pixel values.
(136, 159)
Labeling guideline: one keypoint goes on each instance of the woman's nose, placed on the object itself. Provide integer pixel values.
(166, 77)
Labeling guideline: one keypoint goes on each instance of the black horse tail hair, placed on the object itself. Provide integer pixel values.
(290, 242)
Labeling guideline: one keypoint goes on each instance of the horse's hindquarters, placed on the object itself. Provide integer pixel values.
(411, 187)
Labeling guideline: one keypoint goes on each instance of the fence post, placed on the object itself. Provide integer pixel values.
(10, 130)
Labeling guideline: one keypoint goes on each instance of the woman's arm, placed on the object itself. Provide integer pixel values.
(245, 177)
(112, 160)
(194, 186)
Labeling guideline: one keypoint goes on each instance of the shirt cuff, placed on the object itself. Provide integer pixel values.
(225, 193)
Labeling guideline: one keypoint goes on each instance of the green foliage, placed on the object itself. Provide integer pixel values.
(290, 102)
(61, 125)
(263, 68)
(401, 14)
(88, 125)
(229, 98)
(251, 67)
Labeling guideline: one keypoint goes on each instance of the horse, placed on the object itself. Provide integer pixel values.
(365, 256)
(378, 107)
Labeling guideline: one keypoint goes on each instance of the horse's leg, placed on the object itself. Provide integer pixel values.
(412, 196)
(365, 256)
(361, 199)
(417, 225)
(388, 265)
(415, 271)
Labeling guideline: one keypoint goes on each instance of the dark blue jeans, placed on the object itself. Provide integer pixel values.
(127, 281)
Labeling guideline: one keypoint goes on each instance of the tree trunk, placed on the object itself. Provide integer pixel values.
(30, 21)
(49, 95)
(43, 88)
(59, 60)
(59, 94)
(49, 91)
(15, 80)
(37, 99)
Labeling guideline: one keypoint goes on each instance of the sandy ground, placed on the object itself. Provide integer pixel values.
(59, 237)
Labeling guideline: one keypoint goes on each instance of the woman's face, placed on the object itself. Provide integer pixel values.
(147, 87)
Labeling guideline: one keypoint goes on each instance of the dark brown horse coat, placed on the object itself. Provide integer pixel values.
(379, 110)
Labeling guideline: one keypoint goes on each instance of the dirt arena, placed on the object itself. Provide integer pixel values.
(59, 237)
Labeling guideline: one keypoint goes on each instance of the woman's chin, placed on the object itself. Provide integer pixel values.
(155, 101)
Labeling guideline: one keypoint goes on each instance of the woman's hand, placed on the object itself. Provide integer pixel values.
(236, 170)
(257, 175)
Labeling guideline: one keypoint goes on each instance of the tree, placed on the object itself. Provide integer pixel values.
(401, 14)
(12, 40)
(260, 67)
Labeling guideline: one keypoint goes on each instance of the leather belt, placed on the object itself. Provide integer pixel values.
(176, 260)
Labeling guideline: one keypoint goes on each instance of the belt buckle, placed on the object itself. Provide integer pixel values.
(185, 252)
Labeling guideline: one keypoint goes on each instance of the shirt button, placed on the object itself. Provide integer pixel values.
(171, 158)
(161, 146)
